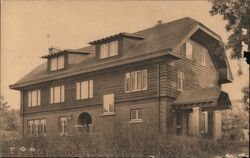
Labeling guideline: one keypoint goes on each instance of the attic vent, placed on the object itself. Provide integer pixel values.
(53, 50)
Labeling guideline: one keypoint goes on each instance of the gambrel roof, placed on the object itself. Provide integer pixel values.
(158, 41)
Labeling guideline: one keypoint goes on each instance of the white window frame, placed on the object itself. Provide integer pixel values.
(36, 127)
(204, 122)
(180, 80)
(61, 97)
(189, 50)
(108, 103)
(57, 63)
(34, 98)
(203, 57)
(63, 122)
(136, 119)
(136, 81)
(109, 49)
(81, 88)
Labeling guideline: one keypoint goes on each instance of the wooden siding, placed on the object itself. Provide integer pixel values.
(196, 74)
(105, 82)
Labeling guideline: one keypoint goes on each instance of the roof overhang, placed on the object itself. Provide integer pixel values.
(162, 55)
(205, 98)
(123, 34)
(213, 42)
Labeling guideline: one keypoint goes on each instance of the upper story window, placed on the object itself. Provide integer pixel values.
(180, 80)
(34, 98)
(57, 94)
(203, 57)
(84, 89)
(63, 125)
(108, 103)
(36, 127)
(109, 49)
(57, 63)
(136, 81)
(189, 50)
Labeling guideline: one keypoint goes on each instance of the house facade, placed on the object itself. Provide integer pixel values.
(167, 78)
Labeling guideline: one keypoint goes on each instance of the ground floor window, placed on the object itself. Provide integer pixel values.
(63, 125)
(178, 123)
(36, 127)
(136, 115)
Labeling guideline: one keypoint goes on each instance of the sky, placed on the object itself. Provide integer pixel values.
(25, 26)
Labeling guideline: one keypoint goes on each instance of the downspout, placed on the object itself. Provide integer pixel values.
(158, 95)
(22, 113)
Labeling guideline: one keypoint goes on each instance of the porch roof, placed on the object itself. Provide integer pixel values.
(211, 97)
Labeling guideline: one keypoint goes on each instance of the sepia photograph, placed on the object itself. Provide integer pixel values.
(132, 78)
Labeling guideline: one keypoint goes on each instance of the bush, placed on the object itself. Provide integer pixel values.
(128, 145)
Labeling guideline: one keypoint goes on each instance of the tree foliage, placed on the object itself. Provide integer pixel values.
(8, 117)
(245, 98)
(236, 13)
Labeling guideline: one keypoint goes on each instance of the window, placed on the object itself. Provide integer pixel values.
(189, 50)
(57, 94)
(34, 98)
(36, 127)
(63, 125)
(136, 115)
(180, 81)
(203, 57)
(108, 103)
(136, 81)
(109, 49)
(57, 63)
(84, 89)
(178, 123)
(204, 122)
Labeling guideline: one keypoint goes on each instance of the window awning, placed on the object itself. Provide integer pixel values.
(206, 98)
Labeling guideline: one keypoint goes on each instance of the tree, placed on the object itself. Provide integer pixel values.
(245, 98)
(8, 117)
(237, 15)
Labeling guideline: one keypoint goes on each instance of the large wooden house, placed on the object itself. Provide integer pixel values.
(167, 78)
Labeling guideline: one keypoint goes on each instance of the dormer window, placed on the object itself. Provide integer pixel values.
(57, 63)
(109, 49)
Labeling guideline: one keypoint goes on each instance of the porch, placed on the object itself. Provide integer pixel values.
(198, 112)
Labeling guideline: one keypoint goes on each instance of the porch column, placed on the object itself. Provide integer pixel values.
(196, 121)
(217, 124)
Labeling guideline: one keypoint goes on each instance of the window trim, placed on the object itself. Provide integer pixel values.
(63, 129)
(109, 112)
(181, 78)
(56, 59)
(109, 49)
(137, 119)
(38, 98)
(190, 56)
(34, 130)
(134, 81)
(79, 89)
(203, 57)
(62, 94)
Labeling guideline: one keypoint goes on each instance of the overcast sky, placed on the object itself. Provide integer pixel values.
(71, 24)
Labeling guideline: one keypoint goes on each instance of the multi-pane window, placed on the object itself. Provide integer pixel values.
(34, 98)
(57, 94)
(108, 103)
(84, 89)
(180, 80)
(136, 115)
(203, 57)
(109, 49)
(136, 81)
(204, 122)
(189, 50)
(36, 127)
(63, 125)
(57, 63)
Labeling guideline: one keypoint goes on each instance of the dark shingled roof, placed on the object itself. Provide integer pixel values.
(211, 94)
(159, 41)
